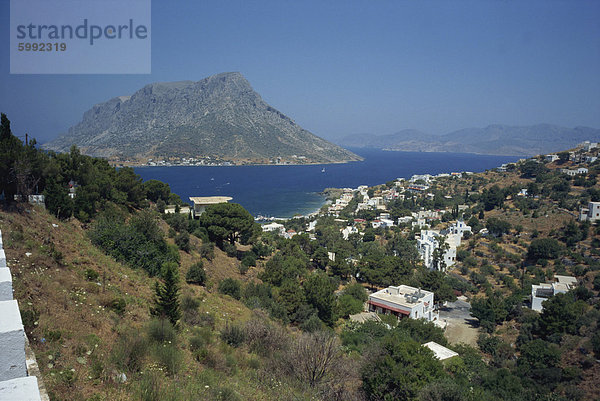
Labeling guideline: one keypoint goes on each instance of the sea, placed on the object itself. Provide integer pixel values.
(286, 191)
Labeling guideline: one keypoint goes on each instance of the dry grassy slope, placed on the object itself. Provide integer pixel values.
(74, 323)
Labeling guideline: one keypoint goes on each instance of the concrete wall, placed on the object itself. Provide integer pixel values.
(21, 389)
(6, 291)
(12, 342)
(15, 384)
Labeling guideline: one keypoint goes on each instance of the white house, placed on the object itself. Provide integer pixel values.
(590, 213)
(551, 158)
(582, 170)
(404, 301)
(459, 227)
(587, 145)
(568, 172)
(274, 227)
(429, 241)
(387, 222)
(543, 291)
(201, 202)
(349, 230)
(404, 220)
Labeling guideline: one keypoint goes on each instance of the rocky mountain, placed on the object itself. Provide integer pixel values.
(492, 140)
(220, 116)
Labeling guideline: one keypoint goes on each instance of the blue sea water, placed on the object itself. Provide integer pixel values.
(284, 191)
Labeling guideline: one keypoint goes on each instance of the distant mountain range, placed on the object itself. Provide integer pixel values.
(491, 140)
(219, 117)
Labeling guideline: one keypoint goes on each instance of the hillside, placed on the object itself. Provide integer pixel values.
(492, 140)
(220, 117)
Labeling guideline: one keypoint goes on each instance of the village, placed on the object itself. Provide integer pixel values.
(438, 234)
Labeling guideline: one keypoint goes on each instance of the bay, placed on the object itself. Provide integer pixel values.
(283, 191)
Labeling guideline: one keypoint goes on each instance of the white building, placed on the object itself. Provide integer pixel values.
(274, 227)
(568, 172)
(202, 202)
(404, 220)
(349, 230)
(428, 242)
(541, 292)
(387, 222)
(404, 301)
(460, 227)
(551, 158)
(440, 352)
(587, 145)
(590, 213)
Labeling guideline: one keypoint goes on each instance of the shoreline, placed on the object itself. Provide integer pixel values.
(135, 165)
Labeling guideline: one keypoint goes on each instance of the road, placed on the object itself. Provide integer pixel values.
(461, 327)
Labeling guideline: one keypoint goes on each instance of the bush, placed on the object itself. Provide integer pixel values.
(182, 241)
(233, 335)
(168, 356)
(264, 337)
(200, 339)
(207, 250)
(129, 351)
(161, 331)
(249, 259)
(189, 307)
(231, 287)
(230, 249)
(243, 269)
(543, 248)
(91, 275)
(196, 274)
(118, 306)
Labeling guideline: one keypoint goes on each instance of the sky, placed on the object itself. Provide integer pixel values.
(351, 67)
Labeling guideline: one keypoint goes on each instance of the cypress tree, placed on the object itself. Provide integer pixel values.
(166, 302)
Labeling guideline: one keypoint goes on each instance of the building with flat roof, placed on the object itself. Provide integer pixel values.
(404, 301)
(440, 352)
(543, 291)
(590, 213)
(201, 202)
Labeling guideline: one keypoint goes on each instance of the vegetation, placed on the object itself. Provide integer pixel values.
(97, 276)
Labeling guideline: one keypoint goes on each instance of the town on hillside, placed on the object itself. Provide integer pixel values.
(462, 285)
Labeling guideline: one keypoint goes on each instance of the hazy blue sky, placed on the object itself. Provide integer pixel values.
(345, 67)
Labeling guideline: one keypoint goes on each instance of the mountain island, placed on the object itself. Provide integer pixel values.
(218, 119)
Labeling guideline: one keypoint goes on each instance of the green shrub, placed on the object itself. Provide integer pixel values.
(182, 241)
(168, 356)
(118, 305)
(161, 331)
(233, 335)
(249, 259)
(207, 250)
(129, 351)
(230, 249)
(196, 274)
(91, 275)
(230, 287)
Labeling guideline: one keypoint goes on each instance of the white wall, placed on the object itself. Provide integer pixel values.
(12, 342)
(6, 292)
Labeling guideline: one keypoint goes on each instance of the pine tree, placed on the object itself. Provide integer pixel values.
(166, 302)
